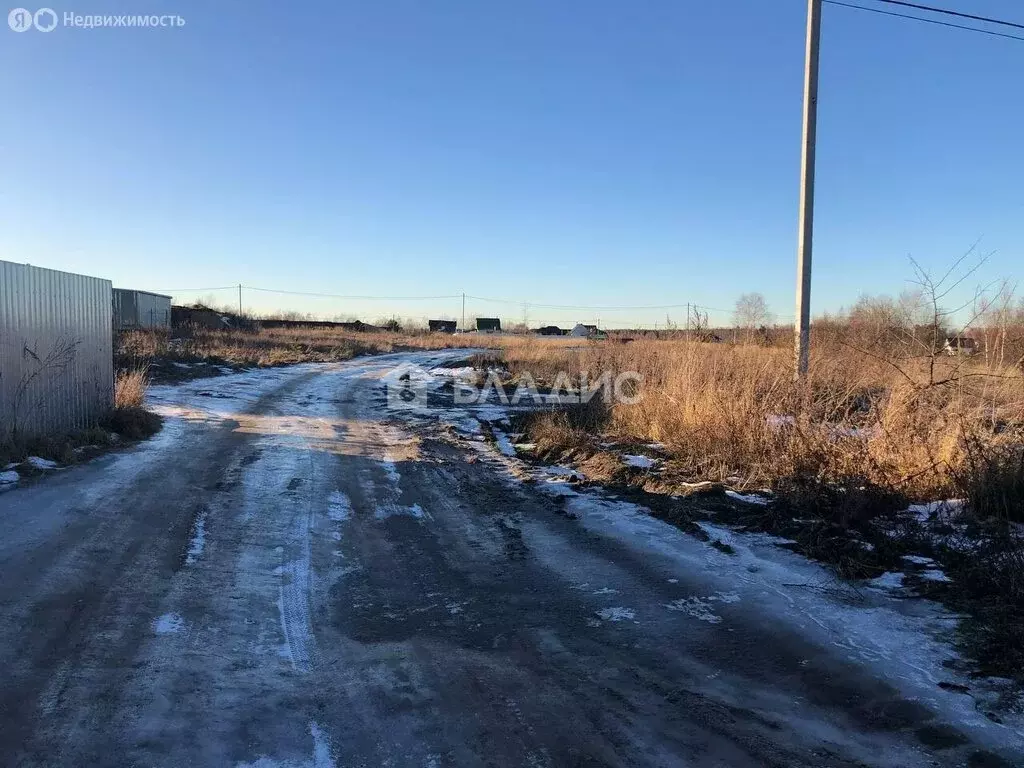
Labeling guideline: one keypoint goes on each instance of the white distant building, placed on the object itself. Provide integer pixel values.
(961, 345)
(584, 331)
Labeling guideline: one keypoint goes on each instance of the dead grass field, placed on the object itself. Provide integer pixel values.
(734, 414)
(158, 352)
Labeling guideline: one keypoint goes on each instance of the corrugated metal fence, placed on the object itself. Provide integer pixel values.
(56, 355)
(141, 309)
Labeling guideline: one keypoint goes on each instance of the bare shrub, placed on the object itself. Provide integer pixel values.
(990, 477)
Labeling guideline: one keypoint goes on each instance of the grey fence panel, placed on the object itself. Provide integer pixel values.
(140, 309)
(56, 355)
(154, 310)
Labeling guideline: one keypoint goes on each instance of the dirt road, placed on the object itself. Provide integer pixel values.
(290, 574)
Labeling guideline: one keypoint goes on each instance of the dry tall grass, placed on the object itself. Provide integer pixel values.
(269, 347)
(734, 411)
(130, 388)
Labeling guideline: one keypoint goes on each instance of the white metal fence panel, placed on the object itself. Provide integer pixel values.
(56, 350)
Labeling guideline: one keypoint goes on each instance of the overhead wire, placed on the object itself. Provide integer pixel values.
(939, 22)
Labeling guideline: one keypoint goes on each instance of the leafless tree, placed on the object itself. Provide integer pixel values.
(698, 325)
(751, 311)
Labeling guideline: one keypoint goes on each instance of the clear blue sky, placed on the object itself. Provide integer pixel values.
(590, 152)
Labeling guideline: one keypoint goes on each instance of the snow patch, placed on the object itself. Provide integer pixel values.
(168, 624)
(617, 614)
(888, 580)
(37, 463)
(918, 559)
(747, 498)
(198, 541)
(384, 511)
(388, 465)
(700, 607)
(339, 508)
(504, 444)
(321, 757)
(934, 574)
(9, 479)
(321, 748)
(640, 462)
(557, 474)
(935, 509)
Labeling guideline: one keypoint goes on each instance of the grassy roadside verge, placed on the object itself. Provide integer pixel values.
(128, 421)
(856, 466)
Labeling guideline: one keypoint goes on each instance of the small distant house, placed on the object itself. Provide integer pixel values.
(488, 325)
(585, 331)
(550, 330)
(442, 326)
(140, 309)
(960, 345)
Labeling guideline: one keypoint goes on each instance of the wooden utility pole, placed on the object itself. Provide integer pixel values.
(239, 299)
(463, 311)
(806, 234)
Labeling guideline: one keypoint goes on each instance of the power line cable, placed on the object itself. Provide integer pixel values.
(585, 307)
(512, 302)
(959, 14)
(340, 296)
(991, 32)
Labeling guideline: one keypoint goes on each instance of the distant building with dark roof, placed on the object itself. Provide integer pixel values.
(442, 326)
(488, 324)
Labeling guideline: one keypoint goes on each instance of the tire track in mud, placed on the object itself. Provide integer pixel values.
(296, 583)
